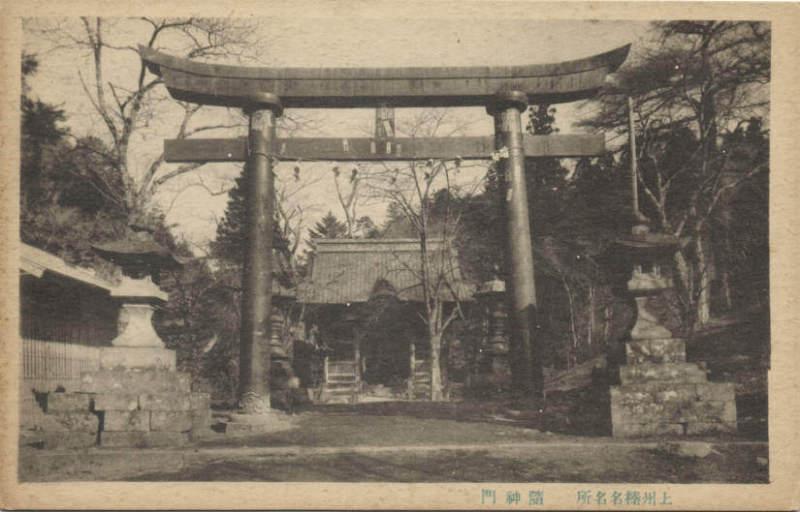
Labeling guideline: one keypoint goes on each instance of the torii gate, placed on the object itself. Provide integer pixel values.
(505, 91)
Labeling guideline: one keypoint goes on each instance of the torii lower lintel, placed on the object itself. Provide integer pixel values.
(366, 149)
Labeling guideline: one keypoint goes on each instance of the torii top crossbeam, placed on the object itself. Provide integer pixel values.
(233, 86)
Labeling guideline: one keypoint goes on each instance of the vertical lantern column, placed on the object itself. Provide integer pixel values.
(507, 109)
(254, 351)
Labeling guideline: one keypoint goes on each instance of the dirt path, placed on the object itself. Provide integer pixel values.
(513, 462)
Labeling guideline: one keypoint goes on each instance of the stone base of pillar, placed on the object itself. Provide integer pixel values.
(137, 358)
(262, 423)
(493, 375)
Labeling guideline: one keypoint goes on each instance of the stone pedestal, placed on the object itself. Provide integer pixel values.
(137, 357)
(263, 423)
(137, 398)
(659, 392)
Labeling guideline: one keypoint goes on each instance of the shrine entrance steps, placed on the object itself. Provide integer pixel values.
(341, 383)
(421, 383)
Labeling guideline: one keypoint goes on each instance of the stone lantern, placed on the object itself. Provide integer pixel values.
(647, 257)
(140, 259)
(660, 393)
(280, 351)
(493, 364)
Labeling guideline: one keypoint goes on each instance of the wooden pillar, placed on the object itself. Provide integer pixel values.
(357, 356)
(254, 350)
(507, 109)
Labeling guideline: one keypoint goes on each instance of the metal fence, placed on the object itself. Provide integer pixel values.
(46, 365)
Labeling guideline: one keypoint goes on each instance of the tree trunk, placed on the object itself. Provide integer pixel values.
(704, 267)
(436, 369)
(590, 330)
(572, 358)
(412, 365)
(685, 289)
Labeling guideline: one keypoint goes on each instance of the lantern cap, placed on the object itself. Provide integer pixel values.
(137, 247)
(492, 287)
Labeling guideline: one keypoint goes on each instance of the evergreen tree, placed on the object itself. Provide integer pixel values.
(329, 227)
(229, 245)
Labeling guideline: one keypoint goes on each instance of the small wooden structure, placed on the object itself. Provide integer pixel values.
(364, 296)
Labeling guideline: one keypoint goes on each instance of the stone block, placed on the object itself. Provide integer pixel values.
(116, 402)
(112, 358)
(650, 412)
(135, 381)
(699, 428)
(166, 439)
(126, 421)
(170, 421)
(69, 402)
(142, 439)
(654, 392)
(123, 439)
(165, 401)
(724, 391)
(201, 420)
(648, 372)
(658, 350)
(683, 394)
(71, 421)
(67, 440)
(200, 401)
(646, 429)
(706, 410)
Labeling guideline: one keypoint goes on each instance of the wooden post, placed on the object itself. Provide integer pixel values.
(634, 170)
(357, 357)
(254, 352)
(507, 109)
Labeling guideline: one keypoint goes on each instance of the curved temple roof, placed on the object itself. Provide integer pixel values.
(225, 85)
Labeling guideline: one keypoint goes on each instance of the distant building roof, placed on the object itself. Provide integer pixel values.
(36, 262)
(349, 270)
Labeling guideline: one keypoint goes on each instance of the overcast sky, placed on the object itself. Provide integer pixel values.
(309, 42)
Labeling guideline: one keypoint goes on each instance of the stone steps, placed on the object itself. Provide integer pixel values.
(422, 380)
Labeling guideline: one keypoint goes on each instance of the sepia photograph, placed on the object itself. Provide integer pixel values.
(400, 249)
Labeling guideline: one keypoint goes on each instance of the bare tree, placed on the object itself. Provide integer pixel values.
(292, 210)
(349, 194)
(425, 193)
(703, 79)
(126, 104)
